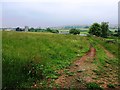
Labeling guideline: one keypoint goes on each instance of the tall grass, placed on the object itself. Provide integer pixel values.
(112, 47)
(101, 59)
(28, 57)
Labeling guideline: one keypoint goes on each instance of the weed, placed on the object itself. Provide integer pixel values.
(80, 70)
(79, 80)
(93, 86)
(111, 85)
(97, 72)
(70, 73)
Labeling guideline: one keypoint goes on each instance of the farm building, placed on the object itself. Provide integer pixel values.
(26, 28)
(63, 31)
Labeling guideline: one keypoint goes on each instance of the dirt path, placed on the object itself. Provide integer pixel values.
(83, 70)
(75, 74)
(109, 76)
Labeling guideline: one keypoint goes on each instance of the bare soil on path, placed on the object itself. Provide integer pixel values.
(83, 72)
(78, 70)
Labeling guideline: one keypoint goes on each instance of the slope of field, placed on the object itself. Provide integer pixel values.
(42, 60)
(31, 57)
(97, 69)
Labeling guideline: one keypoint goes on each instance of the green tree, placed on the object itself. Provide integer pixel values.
(48, 29)
(31, 29)
(105, 29)
(17, 29)
(74, 31)
(95, 29)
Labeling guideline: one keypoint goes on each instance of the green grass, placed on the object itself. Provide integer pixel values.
(93, 86)
(111, 85)
(28, 57)
(84, 31)
(101, 59)
(112, 47)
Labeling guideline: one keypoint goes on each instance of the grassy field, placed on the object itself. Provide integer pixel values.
(30, 57)
(107, 66)
(27, 56)
(82, 30)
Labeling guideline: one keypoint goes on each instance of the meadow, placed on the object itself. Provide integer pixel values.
(27, 56)
(32, 57)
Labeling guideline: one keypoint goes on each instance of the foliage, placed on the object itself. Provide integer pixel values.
(31, 29)
(105, 29)
(95, 29)
(93, 86)
(100, 30)
(111, 85)
(52, 31)
(74, 31)
(19, 29)
(55, 31)
(70, 73)
(116, 31)
(48, 29)
(36, 30)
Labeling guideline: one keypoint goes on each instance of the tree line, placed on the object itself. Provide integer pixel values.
(101, 30)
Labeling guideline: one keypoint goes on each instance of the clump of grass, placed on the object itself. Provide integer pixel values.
(79, 80)
(97, 72)
(70, 73)
(93, 86)
(80, 71)
(111, 85)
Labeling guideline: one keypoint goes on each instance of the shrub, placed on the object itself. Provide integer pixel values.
(95, 29)
(51, 30)
(101, 30)
(74, 31)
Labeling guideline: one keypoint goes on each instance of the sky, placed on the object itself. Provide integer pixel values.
(52, 13)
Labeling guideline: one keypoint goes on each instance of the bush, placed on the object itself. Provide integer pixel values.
(19, 29)
(95, 29)
(101, 30)
(48, 29)
(52, 31)
(74, 31)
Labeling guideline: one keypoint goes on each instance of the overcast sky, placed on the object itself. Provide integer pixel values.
(45, 13)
